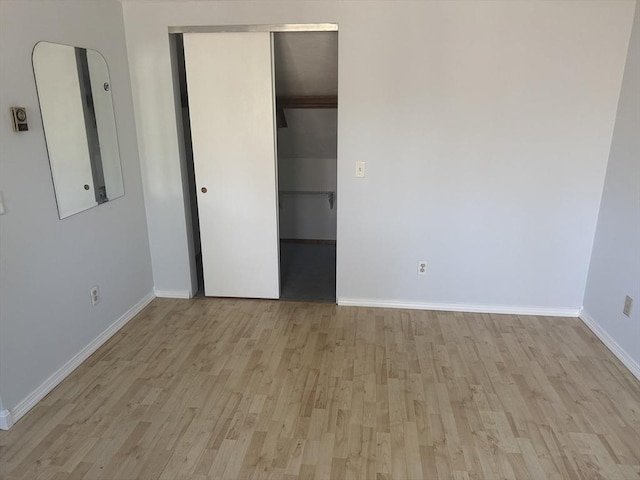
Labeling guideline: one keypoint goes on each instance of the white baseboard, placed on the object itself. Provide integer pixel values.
(611, 344)
(6, 420)
(63, 372)
(172, 293)
(456, 307)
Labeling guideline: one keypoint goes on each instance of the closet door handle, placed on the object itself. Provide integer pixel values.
(203, 189)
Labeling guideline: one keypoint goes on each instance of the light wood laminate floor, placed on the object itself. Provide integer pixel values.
(237, 389)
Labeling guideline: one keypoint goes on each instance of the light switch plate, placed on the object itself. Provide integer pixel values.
(360, 169)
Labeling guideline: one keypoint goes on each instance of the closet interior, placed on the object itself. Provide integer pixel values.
(306, 85)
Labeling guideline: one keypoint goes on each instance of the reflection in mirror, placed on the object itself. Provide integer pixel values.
(74, 91)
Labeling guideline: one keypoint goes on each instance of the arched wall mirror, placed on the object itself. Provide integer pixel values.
(74, 91)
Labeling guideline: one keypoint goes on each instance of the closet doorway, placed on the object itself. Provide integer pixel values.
(264, 217)
(306, 85)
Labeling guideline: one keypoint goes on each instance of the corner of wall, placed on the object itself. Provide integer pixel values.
(610, 343)
(6, 419)
(614, 265)
(10, 417)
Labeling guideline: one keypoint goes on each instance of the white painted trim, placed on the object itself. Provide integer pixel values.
(63, 372)
(287, 27)
(6, 420)
(456, 307)
(610, 343)
(172, 293)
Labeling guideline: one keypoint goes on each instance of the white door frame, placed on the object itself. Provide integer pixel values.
(272, 28)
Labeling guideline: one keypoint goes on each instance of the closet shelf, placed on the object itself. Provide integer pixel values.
(331, 196)
(307, 101)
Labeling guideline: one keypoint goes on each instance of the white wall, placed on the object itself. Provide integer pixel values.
(310, 133)
(47, 265)
(485, 127)
(307, 151)
(307, 216)
(615, 262)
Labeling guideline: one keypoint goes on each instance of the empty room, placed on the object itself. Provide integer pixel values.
(319, 239)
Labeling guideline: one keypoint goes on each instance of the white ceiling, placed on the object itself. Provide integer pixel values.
(306, 63)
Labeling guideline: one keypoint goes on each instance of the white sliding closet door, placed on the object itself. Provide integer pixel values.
(231, 106)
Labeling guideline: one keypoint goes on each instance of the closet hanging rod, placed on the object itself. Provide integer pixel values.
(331, 196)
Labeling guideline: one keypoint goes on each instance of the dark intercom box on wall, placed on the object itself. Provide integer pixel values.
(19, 118)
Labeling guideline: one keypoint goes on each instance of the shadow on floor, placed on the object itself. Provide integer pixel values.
(308, 272)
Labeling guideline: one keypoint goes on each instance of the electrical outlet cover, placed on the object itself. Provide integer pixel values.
(94, 293)
(628, 303)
